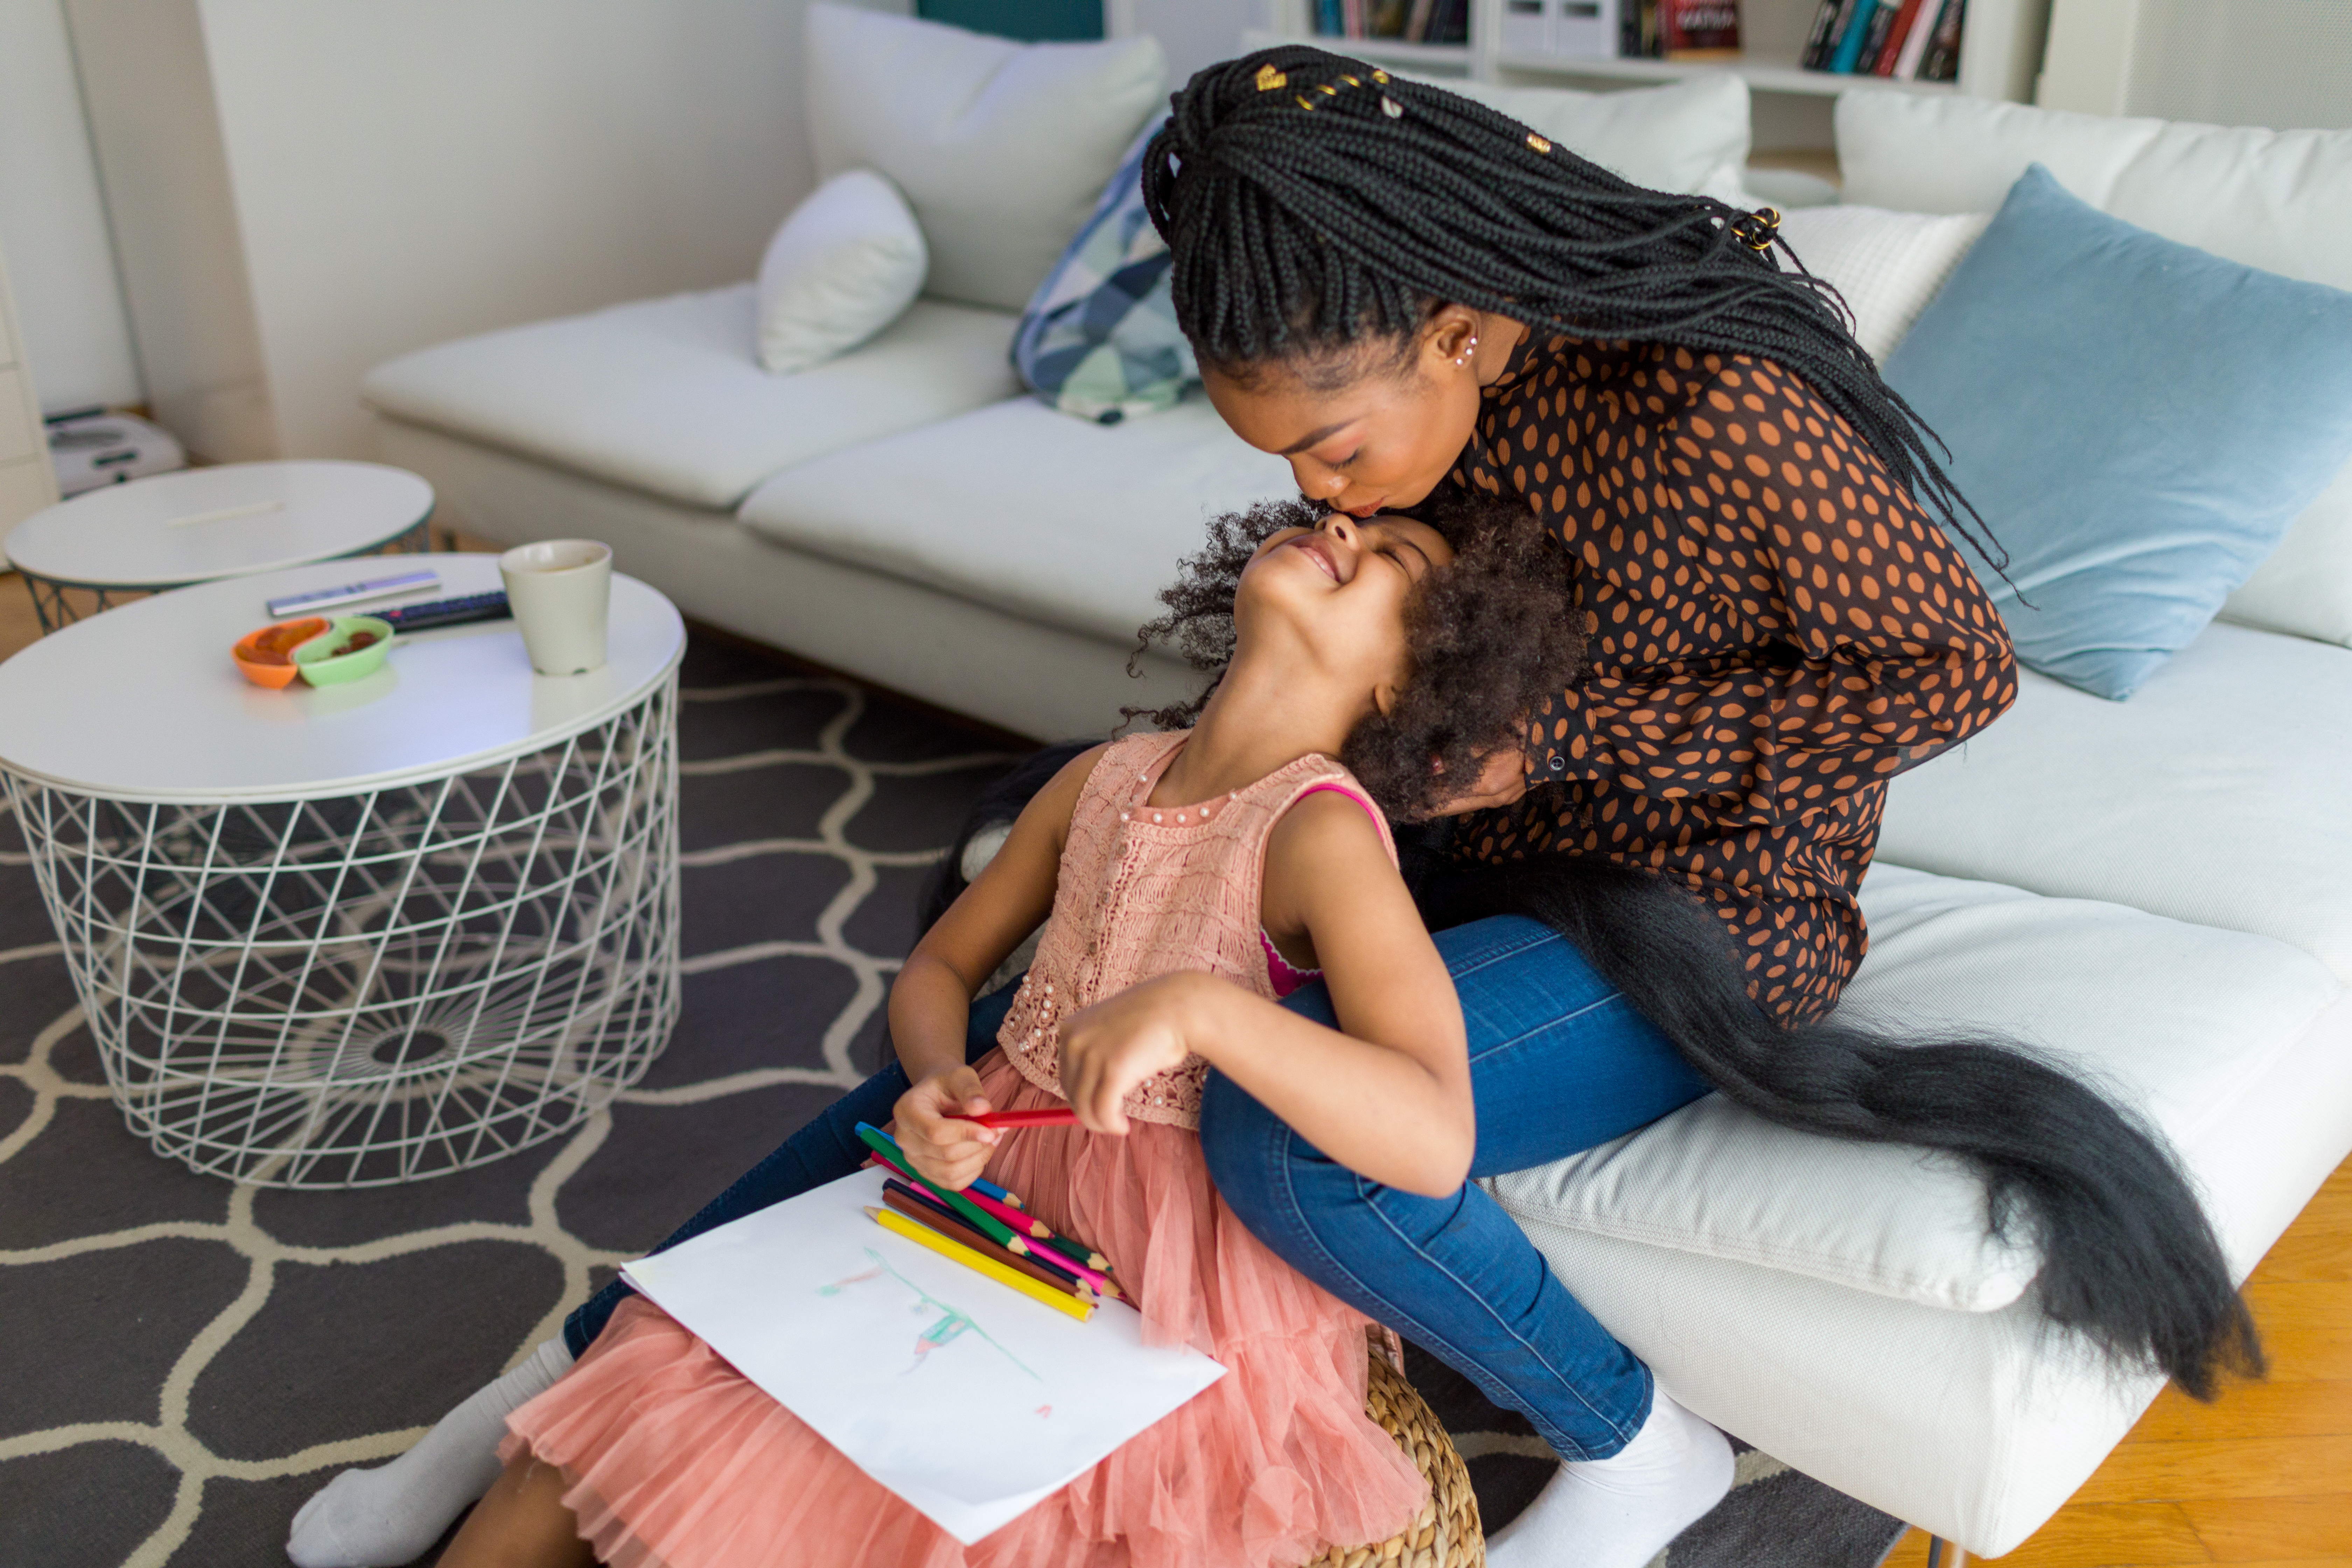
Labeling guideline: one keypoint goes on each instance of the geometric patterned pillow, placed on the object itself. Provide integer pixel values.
(1100, 338)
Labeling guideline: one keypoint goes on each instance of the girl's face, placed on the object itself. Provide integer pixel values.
(1382, 436)
(1343, 587)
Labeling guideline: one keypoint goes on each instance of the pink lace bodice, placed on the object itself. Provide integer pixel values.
(1145, 891)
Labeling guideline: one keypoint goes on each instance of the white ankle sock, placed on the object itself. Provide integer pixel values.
(389, 1515)
(1619, 1513)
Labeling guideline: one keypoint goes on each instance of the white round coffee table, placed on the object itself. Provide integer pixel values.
(201, 524)
(361, 934)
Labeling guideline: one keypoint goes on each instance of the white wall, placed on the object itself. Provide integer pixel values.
(402, 172)
(53, 223)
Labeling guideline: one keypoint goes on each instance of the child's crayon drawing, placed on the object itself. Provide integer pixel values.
(953, 1324)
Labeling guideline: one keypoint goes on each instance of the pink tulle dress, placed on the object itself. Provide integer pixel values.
(671, 1459)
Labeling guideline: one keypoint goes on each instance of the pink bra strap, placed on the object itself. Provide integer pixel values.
(1338, 788)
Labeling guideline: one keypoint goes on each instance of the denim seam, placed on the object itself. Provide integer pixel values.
(1293, 1217)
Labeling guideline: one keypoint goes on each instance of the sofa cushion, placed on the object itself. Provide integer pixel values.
(2279, 200)
(1076, 525)
(845, 265)
(1689, 136)
(2215, 795)
(2136, 420)
(2182, 1023)
(669, 395)
(1887, 265)
(1001, 148)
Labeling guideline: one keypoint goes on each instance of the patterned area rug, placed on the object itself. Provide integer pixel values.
(183, 1362)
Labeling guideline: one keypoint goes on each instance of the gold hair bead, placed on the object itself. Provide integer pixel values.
(1327, 88)
(1537, 142)
(1269, 78)
(1304, 102)
(1351, 81)
(1380, 77)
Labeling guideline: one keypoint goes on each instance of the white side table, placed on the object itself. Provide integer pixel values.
(361, 934)
(201, 524)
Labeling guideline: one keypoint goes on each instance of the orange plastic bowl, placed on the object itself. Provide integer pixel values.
(265, 657)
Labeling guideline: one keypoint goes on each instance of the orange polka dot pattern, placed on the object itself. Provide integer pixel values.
(1776, 630)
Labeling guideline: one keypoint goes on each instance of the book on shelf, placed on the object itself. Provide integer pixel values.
(1387, 18)
(1698, 30)
(1329, 22)
(1841, 20)
(1816, 38)
(1857, 33)
(1416, 24)
(1942, 60)
(1890, 49)
(1914, 43)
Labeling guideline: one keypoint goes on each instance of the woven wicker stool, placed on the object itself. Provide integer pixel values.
(1446, 1533)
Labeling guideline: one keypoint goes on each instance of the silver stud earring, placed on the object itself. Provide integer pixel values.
(1467, 350)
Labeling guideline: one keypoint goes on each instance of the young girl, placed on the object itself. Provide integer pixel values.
(1187, 881)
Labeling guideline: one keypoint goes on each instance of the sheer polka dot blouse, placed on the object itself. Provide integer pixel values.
(1776, 630)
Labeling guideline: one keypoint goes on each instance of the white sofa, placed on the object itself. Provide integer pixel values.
(2161, 889)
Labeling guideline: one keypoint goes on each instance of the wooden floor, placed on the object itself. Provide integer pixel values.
(2262, 1477)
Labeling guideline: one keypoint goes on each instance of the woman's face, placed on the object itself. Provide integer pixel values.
(1380, 433)
(1343, 587)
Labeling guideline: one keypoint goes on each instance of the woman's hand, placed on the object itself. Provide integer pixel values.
(1111, 1046)
(1502, 779)
(944, 1152)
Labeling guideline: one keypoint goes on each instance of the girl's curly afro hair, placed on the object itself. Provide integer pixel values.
(1495, 636)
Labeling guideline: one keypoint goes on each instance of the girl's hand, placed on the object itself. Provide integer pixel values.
(944, 1151)
(1502, 779)
(1111, 1046)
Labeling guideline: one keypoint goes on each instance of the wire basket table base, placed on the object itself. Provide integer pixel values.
(379, 987)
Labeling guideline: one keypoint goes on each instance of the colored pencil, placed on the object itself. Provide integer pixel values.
(971, 1213)
(1010, 1200)
(1052, 1116)
(1041, 1237)
(908, 1202)
(923, 1236)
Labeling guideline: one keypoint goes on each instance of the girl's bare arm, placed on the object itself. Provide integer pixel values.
(930, 1003)
(1388, 1092)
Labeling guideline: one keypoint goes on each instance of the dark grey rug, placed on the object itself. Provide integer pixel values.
(183, 1361)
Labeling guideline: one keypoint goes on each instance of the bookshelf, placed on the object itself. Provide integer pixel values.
(2000, 53)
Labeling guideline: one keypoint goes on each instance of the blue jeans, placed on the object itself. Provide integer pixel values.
(1559, 1062)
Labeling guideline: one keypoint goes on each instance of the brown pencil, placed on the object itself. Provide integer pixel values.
(925, 1214)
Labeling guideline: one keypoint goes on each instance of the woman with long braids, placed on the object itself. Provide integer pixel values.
(1419, 302)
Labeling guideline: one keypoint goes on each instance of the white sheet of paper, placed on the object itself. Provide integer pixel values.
(960, 1394)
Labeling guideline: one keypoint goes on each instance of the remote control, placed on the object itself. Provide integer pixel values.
(351, 593)
(445, 612)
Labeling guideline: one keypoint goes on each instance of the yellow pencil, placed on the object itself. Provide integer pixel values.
(1061, 1302)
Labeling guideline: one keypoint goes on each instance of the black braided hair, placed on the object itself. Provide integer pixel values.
(1316, 205)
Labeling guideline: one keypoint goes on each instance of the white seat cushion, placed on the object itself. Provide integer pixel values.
(669, 395)
(2182, 1020)
(1076, 524)
(2215, 795)
(2279, 200)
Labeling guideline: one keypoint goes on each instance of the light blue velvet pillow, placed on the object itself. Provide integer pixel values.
(2136, 420)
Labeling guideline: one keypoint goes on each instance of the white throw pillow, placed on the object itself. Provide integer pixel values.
(1888, 265)
(1690, 136)
(845, 265)
(1000, 148)
(2279, 200)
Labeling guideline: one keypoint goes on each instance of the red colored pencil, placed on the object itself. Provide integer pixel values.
(1052, 1116)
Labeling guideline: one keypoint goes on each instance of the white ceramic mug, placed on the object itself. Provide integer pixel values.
(560, 591)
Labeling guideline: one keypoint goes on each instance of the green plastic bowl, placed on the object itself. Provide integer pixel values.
(323, 663)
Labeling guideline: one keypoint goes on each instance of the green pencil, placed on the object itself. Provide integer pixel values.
(971, 1213)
